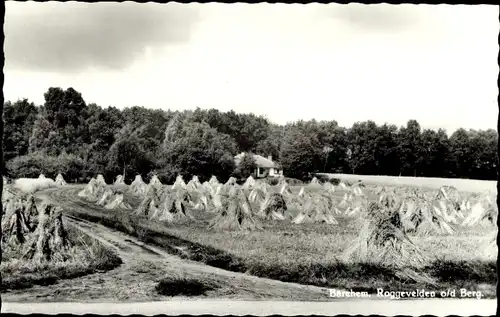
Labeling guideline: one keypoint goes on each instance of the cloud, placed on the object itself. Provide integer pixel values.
(377, 17)
(68, 37)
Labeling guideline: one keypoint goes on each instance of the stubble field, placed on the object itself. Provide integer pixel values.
(308, 252)
(312, 254)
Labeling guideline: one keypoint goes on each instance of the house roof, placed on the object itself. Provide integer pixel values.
(260, 161)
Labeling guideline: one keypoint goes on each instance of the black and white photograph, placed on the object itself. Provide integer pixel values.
(249, 159)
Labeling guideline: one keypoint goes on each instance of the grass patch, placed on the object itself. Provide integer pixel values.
(464, 271)
(175, 286)
(87, 256)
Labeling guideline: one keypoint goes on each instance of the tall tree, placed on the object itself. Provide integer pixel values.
(19, 118)
(410, 149)
(484, 157)
(200, 150)
(126, 154)
(44, 136)
(271, 144)
(60, 125)
(247, 129)
(435, 154)
(300, 153)
(333, 140)
(174, 129)
(460, 154)
(362, 148)
(386, 150)
(246, 166)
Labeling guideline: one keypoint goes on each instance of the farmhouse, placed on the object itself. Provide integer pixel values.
(265, 166)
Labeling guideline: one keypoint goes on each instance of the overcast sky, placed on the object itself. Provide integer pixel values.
(387, 63)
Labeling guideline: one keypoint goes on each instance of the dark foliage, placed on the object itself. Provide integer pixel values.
(245, 167)
(171, 286)
(79, 140)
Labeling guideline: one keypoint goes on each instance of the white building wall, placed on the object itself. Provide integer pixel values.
(272, 172)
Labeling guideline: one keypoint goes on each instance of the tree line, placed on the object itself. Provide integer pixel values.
(79, 140)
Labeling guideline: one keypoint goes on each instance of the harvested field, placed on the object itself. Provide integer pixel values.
(37, 246)
(87, 256)
(467, 185)
(451, 254)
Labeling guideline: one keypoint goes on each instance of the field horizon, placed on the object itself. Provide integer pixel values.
(461, 184)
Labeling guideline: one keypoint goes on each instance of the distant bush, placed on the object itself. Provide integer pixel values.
(273, 181)
(327, 179)
(245, 167)
(165, 175)
(32, 165)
